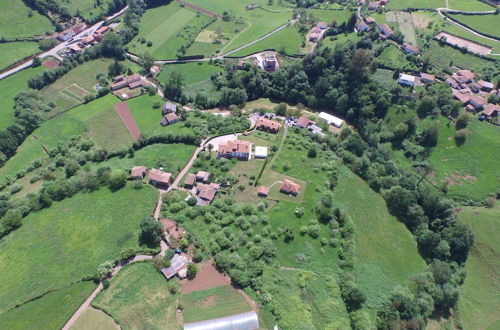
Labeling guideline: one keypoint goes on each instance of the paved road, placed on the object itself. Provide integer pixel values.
(53, 52)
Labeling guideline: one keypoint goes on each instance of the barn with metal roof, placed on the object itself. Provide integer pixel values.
(244, 321)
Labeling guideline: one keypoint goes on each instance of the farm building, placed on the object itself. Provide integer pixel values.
(410, 49)
(476, 101)
(168, 107)
(159, 178)
(304, 122)
(406, 79)
(462, 95)
(427, 78)
(202, 176)
(370, 20)
(322, 25)
(244, 321)
(71, 32)
(132, 82)
(177, 264)
(138, 173)
(260, 152)
(190, 181)
(313, 36)
(331, 120)
(372, 5)
(362, 26)
(169, 119)
(270, 61)
(267, 125)
(88, 40)
(290, 187)
(490, 111)
(385, 30)
(485, 86)
(235, 149)
(263, 191)
(206, 193)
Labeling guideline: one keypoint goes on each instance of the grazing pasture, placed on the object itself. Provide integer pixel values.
(479, 300)
(108, 131)
(329, 16)
(19, 21)
(471, 169)
(139, 297)
(192, 72)
(213, 303)
(51, 311)
(483, 23)
(67, 242)
(469, 5)
(405, 4)
(10, 87)
(12, 52)
(405, 24)
(88, 9)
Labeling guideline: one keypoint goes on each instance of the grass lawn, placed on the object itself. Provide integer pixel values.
(393, 57)
(287, 41)
(339, 39)
(10, 87)
(478, 157)
(192, 72)
(213, 303)
(69, 240)
(139, 298)
(14, 51)
(69, 90)
(404, 4)
(384, 78)
(483, 23)
(469, 5)
(16, 23)
(93, 319)
(30, 150)
(50, 311)
(172, 157)
(479, 299)
(108, 131)
(329, 16)
(168, 28)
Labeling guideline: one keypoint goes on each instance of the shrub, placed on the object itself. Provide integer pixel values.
(192, 270)
(118, 179)
(461, 136)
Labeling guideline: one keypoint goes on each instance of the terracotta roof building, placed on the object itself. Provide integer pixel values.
(385, 30)
(485, 85)
(427, 78)
(304, 122)
(172, 229)
(370, 20)
(322, 25)
(362, 26)
(491, 110)
(234, 149)
(159, 178)
(267, 125)
(290, 187)
(206, 194)
(462, 95)
(476, 101)
(263, 191)
(169, 119)
(410, 49)
(202, 176)
(102, 29)
(190, 181)
(138, 172)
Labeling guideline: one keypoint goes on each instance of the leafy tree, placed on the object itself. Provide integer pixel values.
(462, 121)
(174, 86)
(192, 270)
(150, 232)
(312, 153)
(426, 106)
(280, 109)
(115, 68)
(118, 179)
(147, 61)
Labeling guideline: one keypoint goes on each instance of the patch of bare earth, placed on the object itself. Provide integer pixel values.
(208, 277)
(457, 179)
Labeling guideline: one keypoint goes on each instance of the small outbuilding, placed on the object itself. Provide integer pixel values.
(159, 178)
(263, 191)
(138, 172)
(290, 187)
(202, 176)
(177, 263)
(260, 152)
(331, 120)
(190, 181)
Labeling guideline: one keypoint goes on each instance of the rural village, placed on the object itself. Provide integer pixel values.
(249, 164)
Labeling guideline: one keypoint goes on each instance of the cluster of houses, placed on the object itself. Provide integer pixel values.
(317, 31)
(169, 112)
(71, 32)
(132, 82)
(198, 183)
(88, 41)
(420, 80)
(156, 177)
(373, 5)
(474, 94)
(306, 123)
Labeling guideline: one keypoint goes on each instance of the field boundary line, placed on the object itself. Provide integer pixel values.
(235, 37)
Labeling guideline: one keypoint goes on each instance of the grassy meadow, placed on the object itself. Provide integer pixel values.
(404, 4)
(483, 23)
(10, 87)
(108, 131)
(12, 52)
(329, 16)
(476, 158)
(15, 21)
(88, 9)
(393, 57)
(139, 298)
(93, 319)
(192, 72)
(51, 311)
(68, 241)
(213, 303)
(469, 5)
(479, 300)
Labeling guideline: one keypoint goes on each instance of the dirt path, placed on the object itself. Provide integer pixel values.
(123, 110)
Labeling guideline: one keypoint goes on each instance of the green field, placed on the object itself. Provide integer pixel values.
(81, 80)
(168, 28)
(88, 9)
(384, 78)
(329, 16)
(139, 298)
(213, 303)
(93, 319)
(287, 41)
(108, 130)
(469, 5)
(192, 72)
(487, 24)
(456, 30)
(50, 311)
(404, 4)
(216, 37)
(10, 87)
(12, 52)
(393, 57)
(478, 157)
(68, 241)
(479, 298)
(16, 23)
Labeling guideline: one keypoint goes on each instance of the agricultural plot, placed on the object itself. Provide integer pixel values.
(192, 72)
(487, 24)
(51, 311)
(405, 24)
(12, 52)
(166, 29)
(469, 5)
(70, 90)
(66, 242)
(30, 150)
(19, 21)
(10, 87)
(339, 39)
(471, 169)
(463, 43)
(479, 298)
(213, 303)
(405, 4)
(458, 31)
(139, 297)
(108, 131)
(384, 78)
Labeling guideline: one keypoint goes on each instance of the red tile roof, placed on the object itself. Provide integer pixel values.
(159, 176)
(234, 146)
(304, 122)
(263, 191)
(133, 78)
(491, 109)
(171, 117)
(138, 171)
(268, 124)
(206, 192)
(427, 76)
(462, 97)
(290, 187)
(102, 29)
(190, 179)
